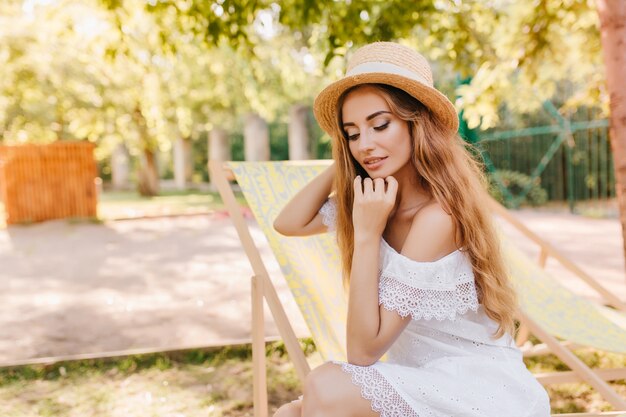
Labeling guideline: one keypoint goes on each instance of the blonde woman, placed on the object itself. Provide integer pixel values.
(426, 281)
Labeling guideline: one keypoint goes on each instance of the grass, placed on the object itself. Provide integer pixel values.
(114, 205)
(579, 397)
(196, 383)
(129, 204)
(209, 383)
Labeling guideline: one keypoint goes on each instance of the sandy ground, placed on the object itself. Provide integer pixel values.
(178, 282)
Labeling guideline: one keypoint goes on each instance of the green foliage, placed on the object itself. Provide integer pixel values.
(125, 204)
(516, 182)
(76, 70)
(513, 50)
(146, 73)
(132, 364)
(60, 370)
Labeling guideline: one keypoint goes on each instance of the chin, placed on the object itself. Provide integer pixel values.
(382, 173)
(378, 175)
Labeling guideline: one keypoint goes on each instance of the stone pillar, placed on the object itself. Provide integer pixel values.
(256, 138)
(299, 140)
(182, 163)
(120, 168)
(219, 145)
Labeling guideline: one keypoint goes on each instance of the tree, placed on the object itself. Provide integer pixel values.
(516, 52)
(189, 65)
(74, 70)
(613, 28)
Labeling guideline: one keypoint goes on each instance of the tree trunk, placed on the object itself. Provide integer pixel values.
(148, 181)
(613, 34)
(148, 178)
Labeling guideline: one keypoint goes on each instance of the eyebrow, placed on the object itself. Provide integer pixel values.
(368, 118)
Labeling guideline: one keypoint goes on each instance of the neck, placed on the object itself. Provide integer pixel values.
(410, 194)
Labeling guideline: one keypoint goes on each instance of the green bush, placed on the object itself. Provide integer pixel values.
(516, 182)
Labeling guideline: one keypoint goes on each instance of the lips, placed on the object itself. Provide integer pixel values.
(373, 162)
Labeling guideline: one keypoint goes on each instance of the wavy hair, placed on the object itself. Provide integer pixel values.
(446, 169)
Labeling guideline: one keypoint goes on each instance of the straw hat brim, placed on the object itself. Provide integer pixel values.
(325, 105)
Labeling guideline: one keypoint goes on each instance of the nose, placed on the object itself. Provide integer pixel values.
(366, 142)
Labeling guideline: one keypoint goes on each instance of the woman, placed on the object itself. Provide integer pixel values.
(427, 283)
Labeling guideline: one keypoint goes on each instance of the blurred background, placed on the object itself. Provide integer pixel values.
(153, 83)
(135, 300)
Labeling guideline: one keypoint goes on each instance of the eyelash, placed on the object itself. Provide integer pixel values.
(376, 128)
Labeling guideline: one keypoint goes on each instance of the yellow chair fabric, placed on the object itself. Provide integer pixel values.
(312, 270)
(310, 264)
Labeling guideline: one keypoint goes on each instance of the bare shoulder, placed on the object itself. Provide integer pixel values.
(431, 235)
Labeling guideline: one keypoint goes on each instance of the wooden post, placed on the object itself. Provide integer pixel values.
(574, 363)
(256, 138)
(219, 145)
(543, 257)
(259, 379)
(522, 335)
(298, 136)
(182, 163)
(287, 333)
(120, 168)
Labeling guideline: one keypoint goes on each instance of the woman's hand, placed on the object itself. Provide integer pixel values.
(373, 201)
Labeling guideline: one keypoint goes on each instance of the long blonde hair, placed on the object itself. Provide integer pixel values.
(446, 169)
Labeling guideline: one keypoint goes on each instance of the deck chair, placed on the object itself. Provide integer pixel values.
(311, 268)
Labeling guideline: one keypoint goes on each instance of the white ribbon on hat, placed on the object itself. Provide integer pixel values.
(386, 67)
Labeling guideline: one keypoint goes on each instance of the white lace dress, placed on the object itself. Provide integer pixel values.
(445, 363)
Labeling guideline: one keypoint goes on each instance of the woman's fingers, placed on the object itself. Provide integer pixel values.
(392, 187)
(358, 187)
(379, 186)
(368, 186)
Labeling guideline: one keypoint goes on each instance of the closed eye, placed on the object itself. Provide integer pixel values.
(381, 127)
(355, 136)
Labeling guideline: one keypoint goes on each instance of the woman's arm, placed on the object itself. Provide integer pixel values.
(300, 217)
(372, 329)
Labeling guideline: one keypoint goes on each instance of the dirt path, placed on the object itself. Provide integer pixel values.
(595, 245)
(184, 282)
(162, 283)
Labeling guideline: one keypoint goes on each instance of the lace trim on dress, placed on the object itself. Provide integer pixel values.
(375, 388)
(426, 303)
(441, 289)
(329, 214)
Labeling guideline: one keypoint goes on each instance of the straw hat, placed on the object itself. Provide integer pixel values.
(386, 63)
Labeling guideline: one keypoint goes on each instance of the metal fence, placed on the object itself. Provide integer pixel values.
(571, 160)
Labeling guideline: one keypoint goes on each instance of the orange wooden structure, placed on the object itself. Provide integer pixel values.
(43, 182)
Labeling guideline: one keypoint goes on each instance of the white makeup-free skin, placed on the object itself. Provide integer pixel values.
(390, 205)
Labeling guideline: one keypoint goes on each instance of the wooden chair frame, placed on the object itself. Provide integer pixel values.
(580, 371)
(262, 289)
